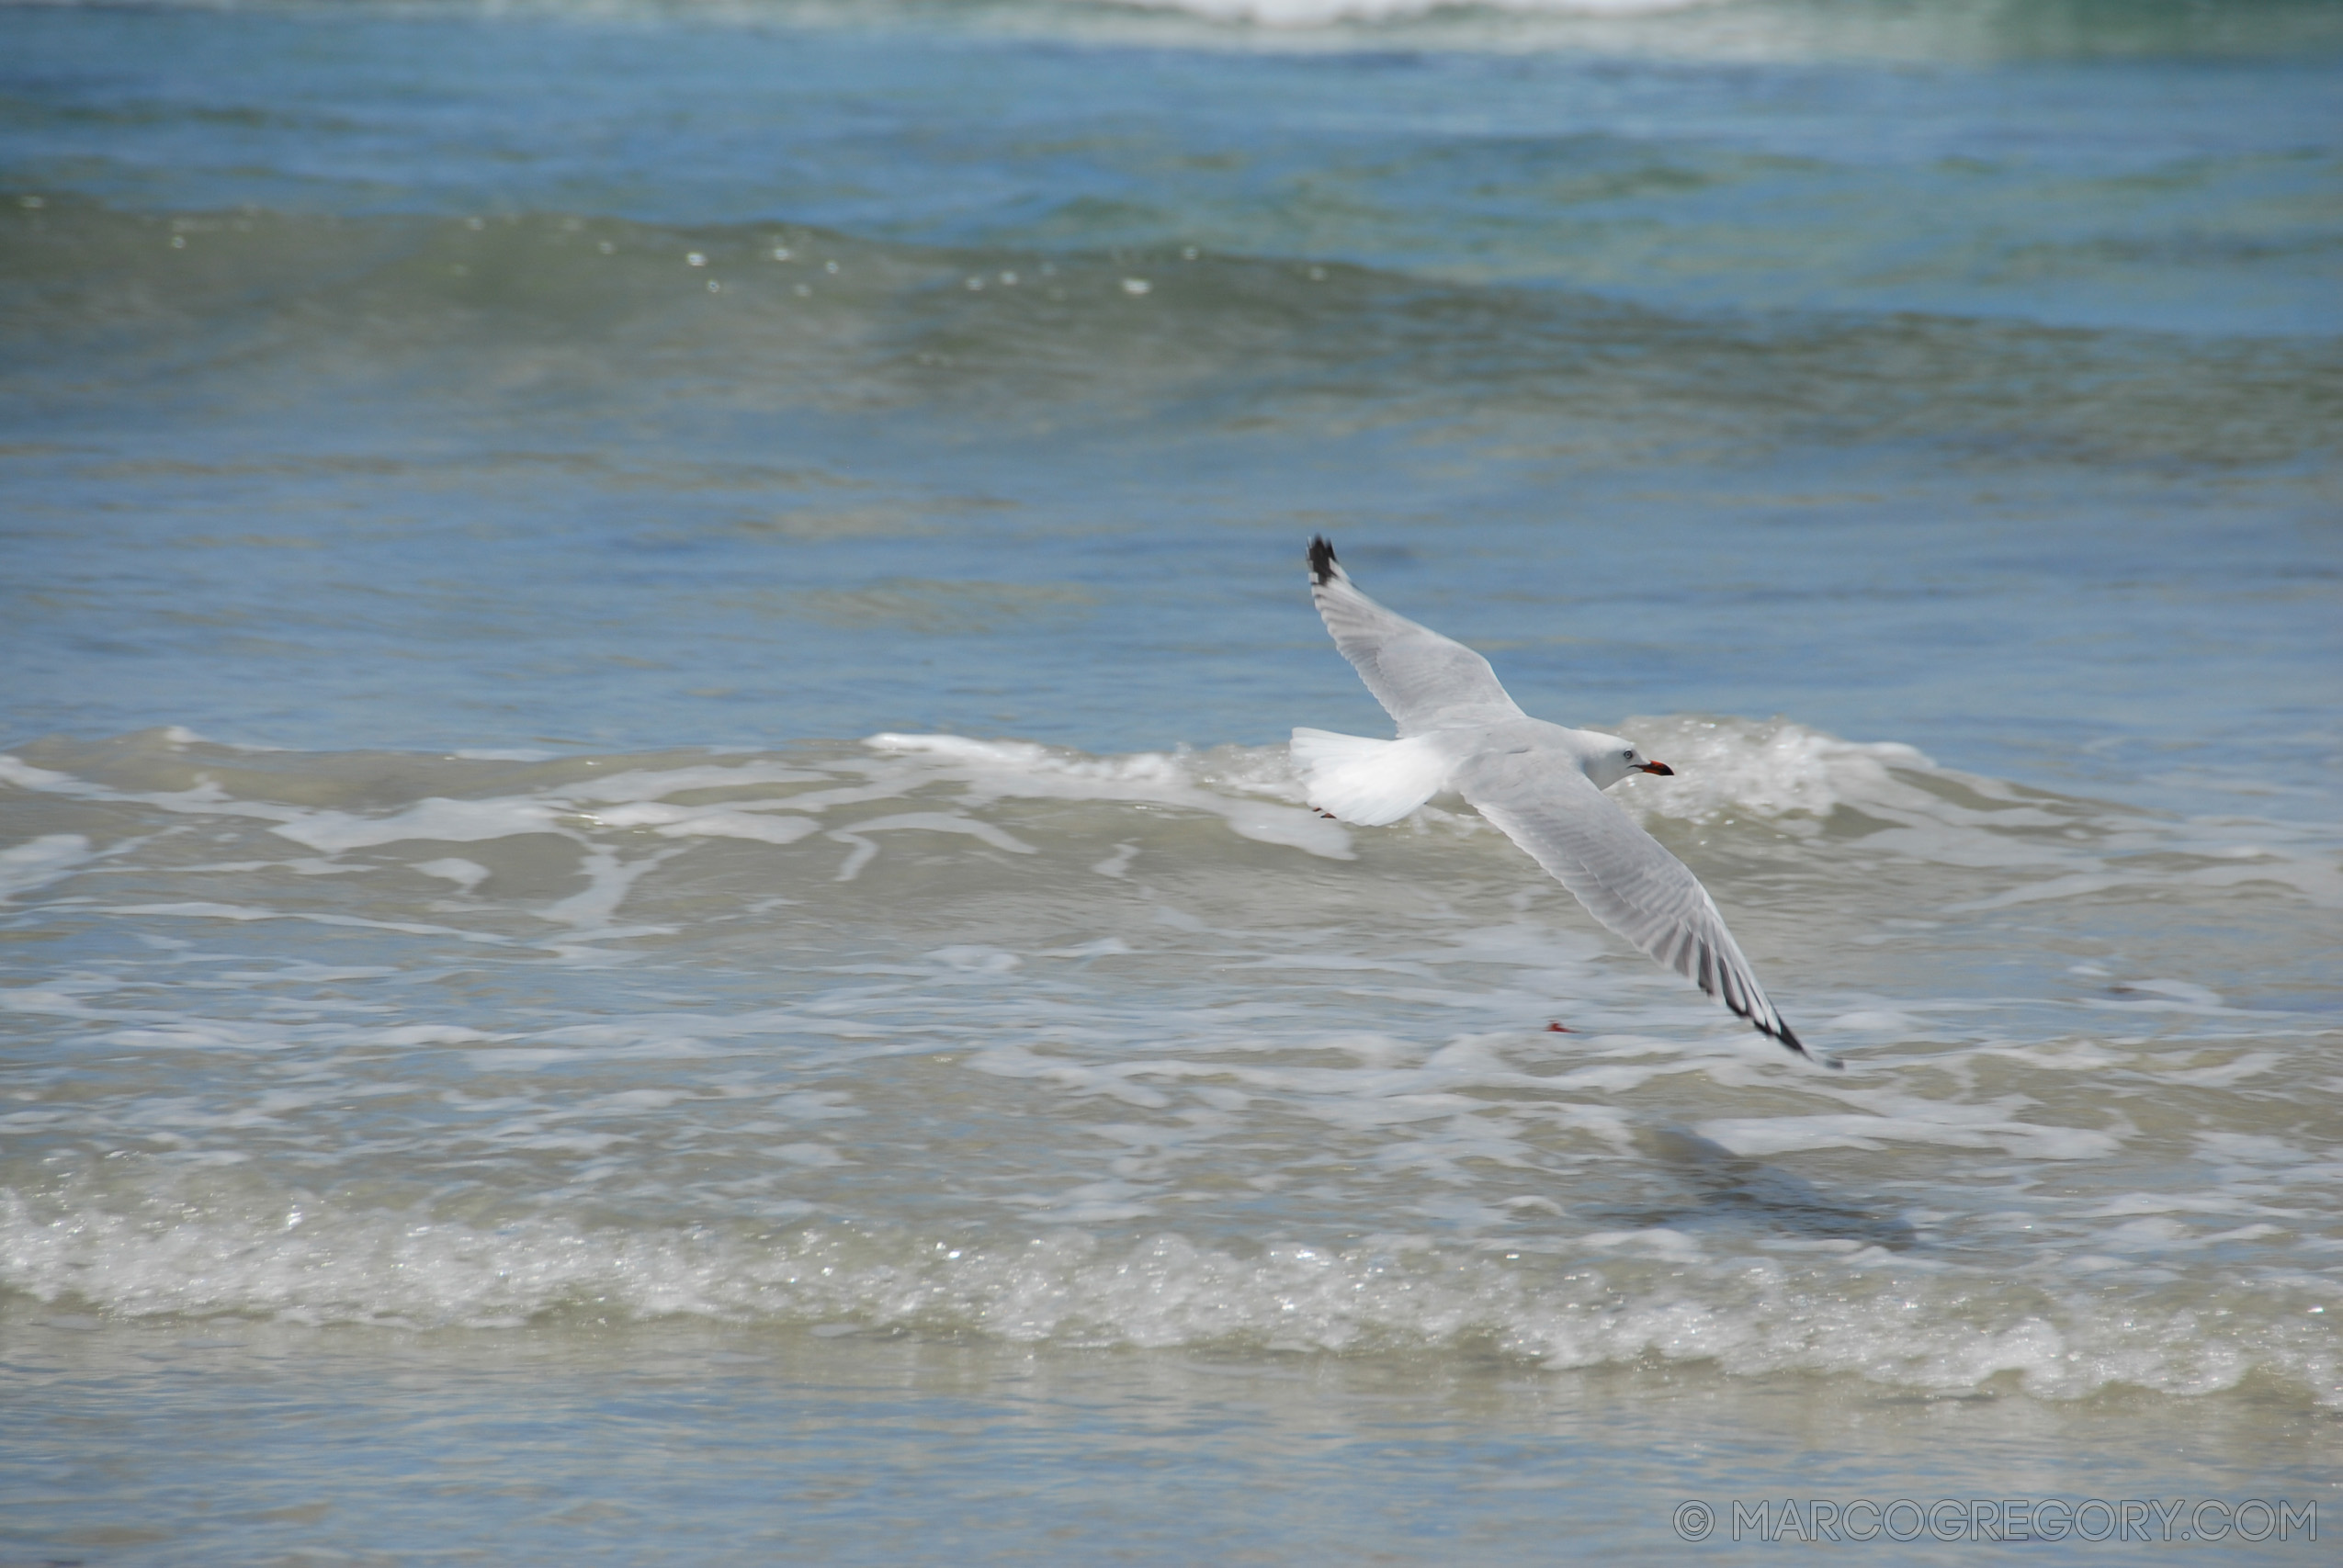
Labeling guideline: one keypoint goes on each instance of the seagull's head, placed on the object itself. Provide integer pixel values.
(1615, 758)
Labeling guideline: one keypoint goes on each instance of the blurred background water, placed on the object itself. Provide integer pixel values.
(647, 879)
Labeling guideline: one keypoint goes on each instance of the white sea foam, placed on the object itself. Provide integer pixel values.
(35, 865)
(1164, 1058)
(448, 821)
(1324, 13)
(465, 874)
(1777, 773)
(999, 770)
(1769, 770)
(1627, 1295)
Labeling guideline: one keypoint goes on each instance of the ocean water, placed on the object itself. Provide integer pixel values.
(651, 907)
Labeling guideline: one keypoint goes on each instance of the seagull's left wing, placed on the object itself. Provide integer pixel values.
(1620, 873)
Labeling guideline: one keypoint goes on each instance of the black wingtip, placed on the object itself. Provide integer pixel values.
(1322, 564)
(1789, 1038)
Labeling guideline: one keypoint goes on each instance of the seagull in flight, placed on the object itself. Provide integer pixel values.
(1541, 782)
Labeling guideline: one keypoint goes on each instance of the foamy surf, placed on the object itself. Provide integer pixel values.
(1324, 13)
(1266, 1120)
(1876, 1307)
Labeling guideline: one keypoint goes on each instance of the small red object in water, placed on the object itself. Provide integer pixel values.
(1556, 1029)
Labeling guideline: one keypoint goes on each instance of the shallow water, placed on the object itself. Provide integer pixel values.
(647, 868)
(716, 1444)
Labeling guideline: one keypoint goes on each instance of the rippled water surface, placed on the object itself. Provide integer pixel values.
(648, 884)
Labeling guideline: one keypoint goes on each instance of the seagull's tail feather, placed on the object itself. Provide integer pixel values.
(1366, 782)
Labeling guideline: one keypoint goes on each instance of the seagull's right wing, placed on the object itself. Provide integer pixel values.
(1620, 873)
(1423, 679)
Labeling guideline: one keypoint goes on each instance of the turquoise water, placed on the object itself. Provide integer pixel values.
(649, 882)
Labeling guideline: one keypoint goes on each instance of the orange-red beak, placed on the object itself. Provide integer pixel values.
(1662, 769)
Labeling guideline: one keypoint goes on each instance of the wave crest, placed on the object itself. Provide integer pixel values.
(1299, 14)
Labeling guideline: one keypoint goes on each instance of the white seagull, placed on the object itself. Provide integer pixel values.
(1541, 782)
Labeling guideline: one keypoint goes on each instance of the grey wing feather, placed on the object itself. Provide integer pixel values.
(1621, 873)
(1424, 681)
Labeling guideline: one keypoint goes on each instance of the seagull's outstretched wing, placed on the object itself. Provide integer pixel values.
(1544, 802)
(1620, 873)
(1424, 681)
